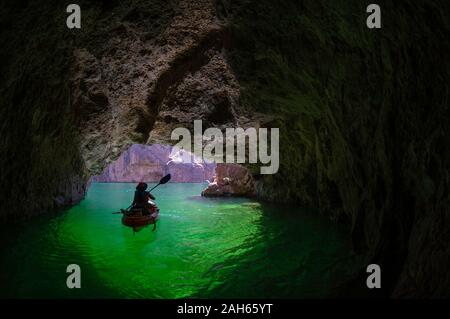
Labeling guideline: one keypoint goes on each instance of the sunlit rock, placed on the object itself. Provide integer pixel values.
(151, 162)
(230, 180)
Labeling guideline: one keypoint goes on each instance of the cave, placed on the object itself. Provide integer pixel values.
(363, 117)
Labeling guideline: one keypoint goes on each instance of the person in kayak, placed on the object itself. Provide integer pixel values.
(142, 196)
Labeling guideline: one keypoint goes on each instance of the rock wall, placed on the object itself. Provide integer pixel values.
(363, 114)
(149, 163)
(364, 117)
(41, 167)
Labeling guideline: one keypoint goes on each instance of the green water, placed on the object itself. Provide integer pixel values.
(201, 248)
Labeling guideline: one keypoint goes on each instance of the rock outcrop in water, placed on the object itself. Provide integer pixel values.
(363, 114)
(230, 180)
(151, 162)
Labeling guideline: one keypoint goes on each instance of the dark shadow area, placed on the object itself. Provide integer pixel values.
(294, 254)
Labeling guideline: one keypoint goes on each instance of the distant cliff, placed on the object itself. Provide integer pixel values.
(149, 163)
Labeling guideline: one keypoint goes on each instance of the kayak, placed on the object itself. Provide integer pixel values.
(136, 217)
(139, 220)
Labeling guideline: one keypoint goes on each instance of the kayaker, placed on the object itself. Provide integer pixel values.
(141, 197)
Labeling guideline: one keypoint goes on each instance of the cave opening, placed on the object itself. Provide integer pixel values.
(150, 163)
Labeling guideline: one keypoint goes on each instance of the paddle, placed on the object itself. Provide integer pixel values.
(163, 180)
(123, 211)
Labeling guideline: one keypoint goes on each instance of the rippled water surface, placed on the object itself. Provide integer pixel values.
(201, 248)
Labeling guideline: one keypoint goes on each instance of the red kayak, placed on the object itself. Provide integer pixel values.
(138, 217)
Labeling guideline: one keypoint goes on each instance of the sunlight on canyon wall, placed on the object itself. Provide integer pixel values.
(149, 163)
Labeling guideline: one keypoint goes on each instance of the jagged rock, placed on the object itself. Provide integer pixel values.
(230, 180)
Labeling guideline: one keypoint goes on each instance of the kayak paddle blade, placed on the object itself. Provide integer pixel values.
(165, 179)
